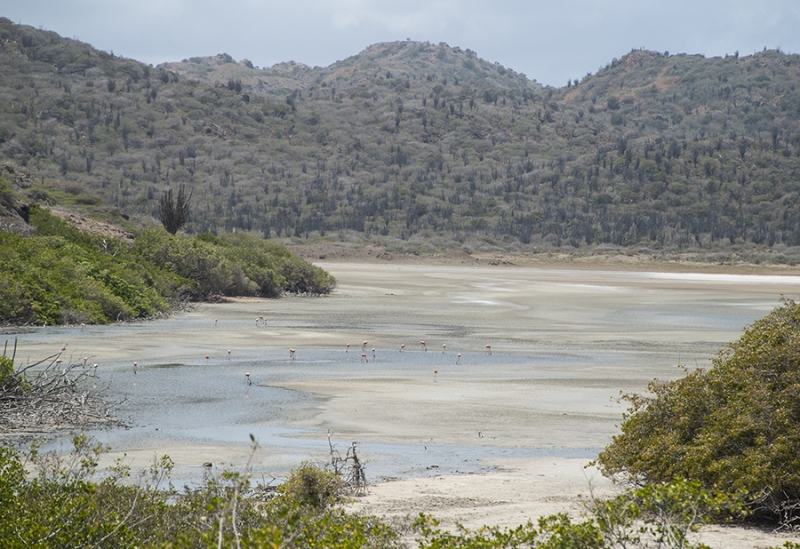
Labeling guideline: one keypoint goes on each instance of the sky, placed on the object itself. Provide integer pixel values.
(549, 41)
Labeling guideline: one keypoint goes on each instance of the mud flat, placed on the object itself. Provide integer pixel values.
(484, 438)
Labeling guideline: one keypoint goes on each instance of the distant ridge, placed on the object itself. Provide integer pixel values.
(418, 146)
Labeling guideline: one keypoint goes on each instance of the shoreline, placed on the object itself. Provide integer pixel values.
(667, 261)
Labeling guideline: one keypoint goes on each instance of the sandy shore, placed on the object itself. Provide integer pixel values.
(483, 438)
(522, 490)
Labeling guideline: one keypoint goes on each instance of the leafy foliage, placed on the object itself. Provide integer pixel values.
(313, 487)
(6, 193)
(62, 275)
(62, 507)
(733, 428)
(235, 264)
(9, 381)
(50, 500)
(658, 516)
(61, 504)
(408, 141)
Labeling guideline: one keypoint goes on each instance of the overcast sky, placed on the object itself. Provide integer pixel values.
(550, 41)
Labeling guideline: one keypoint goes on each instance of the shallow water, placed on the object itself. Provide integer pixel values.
(208, 403)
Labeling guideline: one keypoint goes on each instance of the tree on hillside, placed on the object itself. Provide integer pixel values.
(174, 213)
(734, 427)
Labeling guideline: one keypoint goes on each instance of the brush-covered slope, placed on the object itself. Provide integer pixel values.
(410, 140)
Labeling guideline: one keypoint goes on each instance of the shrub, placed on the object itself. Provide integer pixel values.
(274, 268)
(232, 264)
(734, 427)
(196, 261)
(655, 516)
(9, 381)
(63, 275)
(312, 486)
(49, 500)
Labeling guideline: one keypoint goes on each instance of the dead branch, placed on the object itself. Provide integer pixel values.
(51, 395)
(349, 469)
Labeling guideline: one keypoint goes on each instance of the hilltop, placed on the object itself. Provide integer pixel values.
(418, 147)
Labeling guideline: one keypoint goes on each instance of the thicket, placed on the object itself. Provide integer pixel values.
(232, 264)
(58, 501)
(408, 141)
(734, 427)
(54, 501)
(62, 275)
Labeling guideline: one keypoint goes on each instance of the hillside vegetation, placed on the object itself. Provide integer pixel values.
(418, 144)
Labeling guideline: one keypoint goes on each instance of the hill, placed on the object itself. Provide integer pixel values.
(417, 146)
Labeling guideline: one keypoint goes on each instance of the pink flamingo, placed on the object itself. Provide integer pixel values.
(247, 378)
(458, 358)
(291, 354)
(424, 347)
(444, 347)
(373, 355)
(347, 348)
(135, 365)
(84, 361)
(402, 346)
(206, 357)
(488, 349)
(82, 326)
(215, 321)
(364, 346)
(229, 354)
(434, 374)
(363, 357)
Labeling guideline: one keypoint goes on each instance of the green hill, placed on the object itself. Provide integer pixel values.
(417, 145)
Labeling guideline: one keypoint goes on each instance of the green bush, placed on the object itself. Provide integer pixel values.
(54, 501)
(734, 427)
(273, 267)
(61, 507)
(6, 194)
(194, 260)
(62, 275)
(9, 381)
(232, 264)
(313, 487)
(657, 515)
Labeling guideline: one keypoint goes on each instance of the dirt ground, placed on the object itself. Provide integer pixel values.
(564, 342)
(348, 252)
(522, 490)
